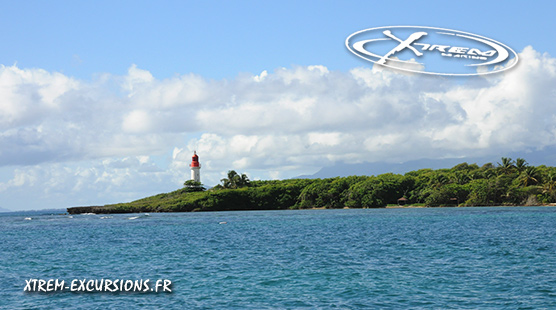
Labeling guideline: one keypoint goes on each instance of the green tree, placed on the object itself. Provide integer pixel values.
(461, 177)
(549, 187)
(507, 165)
(235, 180)
(315, 195)
(439, 179)
(520, 164)
(451, 194)
(529, 176)
(192, 186)
(481, 193)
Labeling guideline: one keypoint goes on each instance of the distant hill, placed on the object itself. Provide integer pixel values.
(377, 168)
(544, 157)
(5, 210)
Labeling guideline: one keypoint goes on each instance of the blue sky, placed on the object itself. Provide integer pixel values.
(220, 39)
(104, 101)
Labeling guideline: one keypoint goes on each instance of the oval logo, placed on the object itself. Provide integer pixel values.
(431, 50)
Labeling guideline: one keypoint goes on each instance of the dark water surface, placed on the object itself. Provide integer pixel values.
(464, 258)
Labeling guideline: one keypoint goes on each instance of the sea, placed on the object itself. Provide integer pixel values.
(422, 258)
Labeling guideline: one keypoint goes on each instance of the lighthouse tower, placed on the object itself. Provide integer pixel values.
(195, 168)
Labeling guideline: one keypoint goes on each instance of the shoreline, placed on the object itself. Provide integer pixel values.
(102, 210)
(417, 207)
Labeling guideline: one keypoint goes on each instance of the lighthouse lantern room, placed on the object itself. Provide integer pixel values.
(195, 168)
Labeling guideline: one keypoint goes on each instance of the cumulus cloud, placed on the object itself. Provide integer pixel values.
(283, 123)
(95, 182)
(29, 96)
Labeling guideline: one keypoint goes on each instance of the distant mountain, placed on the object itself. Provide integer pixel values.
(5, 210)
(545, 157)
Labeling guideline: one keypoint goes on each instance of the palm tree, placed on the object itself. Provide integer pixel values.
(520, 164)
(507, 164)
(244, 180)
(234, 180)
(529, 176)
(229, 182)
(549, 187)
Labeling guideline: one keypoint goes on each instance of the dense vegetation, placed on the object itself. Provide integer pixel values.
(506, 183)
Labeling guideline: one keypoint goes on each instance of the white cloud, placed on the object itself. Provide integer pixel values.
(59, 185)
(30, 96)
(260, 77)
(136, 79)
(137, 121)
(281, 124)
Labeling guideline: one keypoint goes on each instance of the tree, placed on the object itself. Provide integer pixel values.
(507, 165)
(520, 164)
(366, 194)
(315, 195)
(487, 166)
(234, 180)
(439, 179)
(451, 194)
(481, 193)
(549, 187)
(460, 177)
(193, 186)
(529, 176)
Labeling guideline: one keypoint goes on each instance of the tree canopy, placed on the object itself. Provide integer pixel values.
(235, 180)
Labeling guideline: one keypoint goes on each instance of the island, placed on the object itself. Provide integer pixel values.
(507, 183)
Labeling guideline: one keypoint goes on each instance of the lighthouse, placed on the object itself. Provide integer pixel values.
(195, 168)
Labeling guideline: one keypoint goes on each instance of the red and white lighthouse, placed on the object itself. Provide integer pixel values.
(195, 168)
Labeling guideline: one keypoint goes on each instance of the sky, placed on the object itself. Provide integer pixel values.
(105, 101)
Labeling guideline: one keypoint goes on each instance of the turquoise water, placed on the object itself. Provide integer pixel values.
(464, 258)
